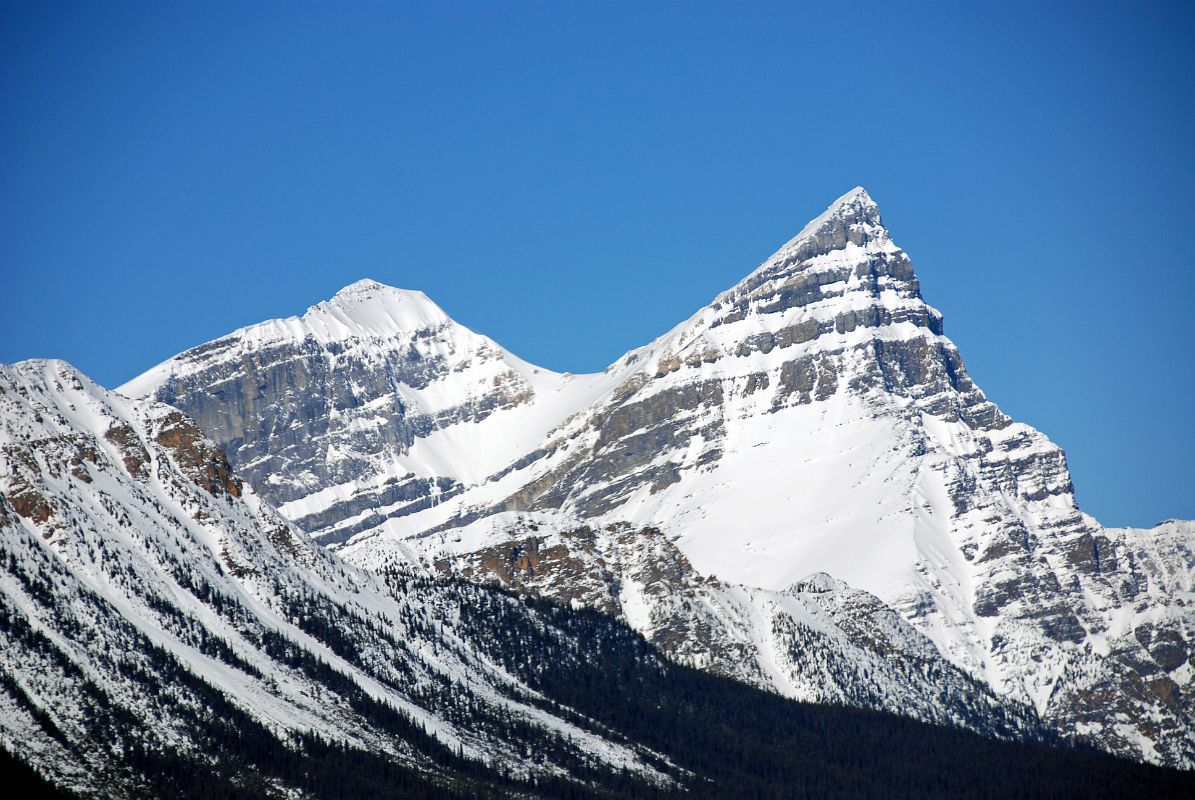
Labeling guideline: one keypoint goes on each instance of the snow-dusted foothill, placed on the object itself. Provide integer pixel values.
(149, 599)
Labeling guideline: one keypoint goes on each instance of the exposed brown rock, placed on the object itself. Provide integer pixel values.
(30, 504)
(199, 459)
(133, 453)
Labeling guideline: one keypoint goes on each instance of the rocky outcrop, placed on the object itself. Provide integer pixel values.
(204, 463)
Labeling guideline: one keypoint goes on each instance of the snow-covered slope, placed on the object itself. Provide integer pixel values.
(812, 419)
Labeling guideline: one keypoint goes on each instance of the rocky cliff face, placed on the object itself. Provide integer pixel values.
(815, 418)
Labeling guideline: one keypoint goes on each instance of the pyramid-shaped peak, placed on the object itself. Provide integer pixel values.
(854, 207)
(854, 217)
(856, 199)
(858, 194)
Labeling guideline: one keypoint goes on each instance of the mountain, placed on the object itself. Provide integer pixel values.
(166, 633)
(811, 421)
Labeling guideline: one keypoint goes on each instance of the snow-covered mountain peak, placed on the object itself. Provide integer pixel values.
(368, 286)
(365, 315)
(370, 310)
(49, 370)
(855, 204)
(847, 231)
(67, 397)
(372, 403)
(368, 291)
(854, 210)
(370, 306)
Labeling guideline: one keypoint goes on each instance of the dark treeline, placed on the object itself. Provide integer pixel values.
(21, 781)
(710, 737)
(746, 743)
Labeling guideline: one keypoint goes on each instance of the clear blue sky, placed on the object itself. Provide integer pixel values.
(575, 178)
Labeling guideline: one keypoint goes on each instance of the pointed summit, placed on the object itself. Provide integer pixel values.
(858, 203)
(858, 195)
(854, 217)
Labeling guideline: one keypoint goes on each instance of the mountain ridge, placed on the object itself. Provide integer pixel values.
(812, 418)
